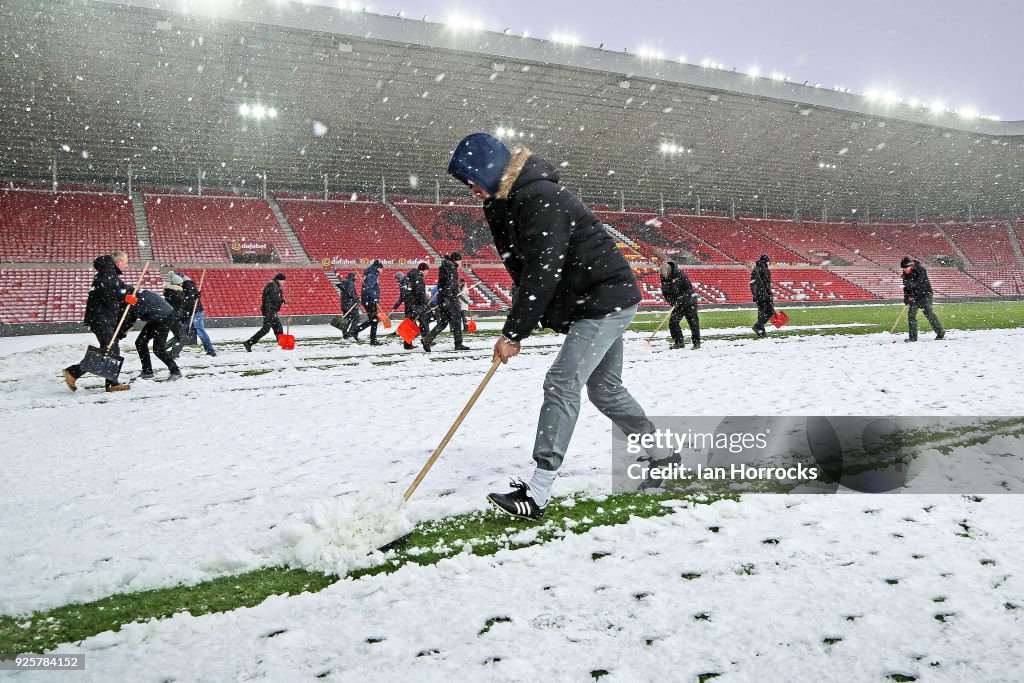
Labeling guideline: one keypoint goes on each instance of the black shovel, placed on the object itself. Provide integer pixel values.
(104, 362)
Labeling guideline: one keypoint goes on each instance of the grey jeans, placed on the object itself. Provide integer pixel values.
(591, 355)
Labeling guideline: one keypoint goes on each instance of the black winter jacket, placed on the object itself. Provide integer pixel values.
(417, 295)
(106, 296)
(193, 297)
(916, 284)
(676, 287)
(178, 301)
(761, 283)
(447, 281)
(349, 297)
(273, 298)
(151, 308)
(565, 264)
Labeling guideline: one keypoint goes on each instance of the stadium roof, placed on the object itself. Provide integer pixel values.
(96, 86)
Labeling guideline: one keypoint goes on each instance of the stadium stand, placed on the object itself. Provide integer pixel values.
(200, 229)
(984, 244)
(54, 295)
(951, 283)
(350, 231)
(649, 232)
(65, 227)
(453, 228)
(817, 243)
(736, 240)
(924, 242)
(497, 280)
(1003, 281)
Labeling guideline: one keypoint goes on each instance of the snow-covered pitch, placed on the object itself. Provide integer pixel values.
(229, 470)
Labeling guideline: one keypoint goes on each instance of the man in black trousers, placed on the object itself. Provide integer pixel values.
(416, 303)
(679, 294)
(761, 290)
(449, 313)
(917, 294)
(273, 299)
(160, 317)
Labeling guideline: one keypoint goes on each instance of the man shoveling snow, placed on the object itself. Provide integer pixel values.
(570, 277)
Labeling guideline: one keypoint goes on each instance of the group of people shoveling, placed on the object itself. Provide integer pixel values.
(112, 308)
(448, 304)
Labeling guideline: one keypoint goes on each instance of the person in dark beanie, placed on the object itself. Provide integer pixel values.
(159, 317)
(761, 291)
(679, 294)
(572, 279)
(350, 306)
(417, 307)
(273, 299)
(449, 313)
(370, 298)
(107, 299)
(174, 294)
(917, 294)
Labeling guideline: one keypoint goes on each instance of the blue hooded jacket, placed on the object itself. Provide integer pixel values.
(371, 284)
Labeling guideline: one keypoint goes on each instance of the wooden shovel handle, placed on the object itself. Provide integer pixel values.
(451, 432)
(117, 330)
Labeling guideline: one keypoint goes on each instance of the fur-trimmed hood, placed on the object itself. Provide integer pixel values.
(524, 167)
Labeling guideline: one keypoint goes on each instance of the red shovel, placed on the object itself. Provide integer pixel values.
(408, 330)
(384, 320)
(287, 341)
(779, 319)
(470, 326)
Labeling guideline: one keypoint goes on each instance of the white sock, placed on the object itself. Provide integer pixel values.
(540, 486)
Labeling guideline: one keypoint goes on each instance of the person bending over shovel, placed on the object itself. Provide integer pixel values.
(571, 278)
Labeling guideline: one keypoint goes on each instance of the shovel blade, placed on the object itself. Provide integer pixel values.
(779, 319)
(408, 330)
(384, 320)
(106, 365)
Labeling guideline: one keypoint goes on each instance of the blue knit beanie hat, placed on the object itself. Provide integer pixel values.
(481, 158)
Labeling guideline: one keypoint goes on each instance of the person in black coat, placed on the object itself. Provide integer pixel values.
(449, 313)
(679, 293)
(107, 299)
(273, 299)
(761, 291)
(350, 306)
(159, 317)
(370, 298)
(174, 294)
(417, 306)
(917, 294)
(572, 279)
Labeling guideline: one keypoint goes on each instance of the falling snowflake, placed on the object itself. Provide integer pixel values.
(319, 129)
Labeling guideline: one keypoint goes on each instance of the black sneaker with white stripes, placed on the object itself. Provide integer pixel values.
(518, 503)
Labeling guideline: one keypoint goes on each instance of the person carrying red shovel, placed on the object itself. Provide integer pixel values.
(273, 299)
(761, 291)
(572, 279)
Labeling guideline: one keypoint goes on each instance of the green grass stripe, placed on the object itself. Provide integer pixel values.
(480, 533)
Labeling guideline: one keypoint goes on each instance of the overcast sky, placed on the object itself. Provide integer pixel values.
(965, 54)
